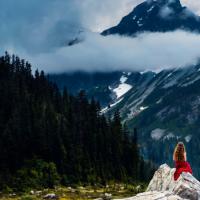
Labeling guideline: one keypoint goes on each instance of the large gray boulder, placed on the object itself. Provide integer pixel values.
(163, 186)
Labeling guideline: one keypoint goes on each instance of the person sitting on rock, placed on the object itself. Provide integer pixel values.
(180, 160)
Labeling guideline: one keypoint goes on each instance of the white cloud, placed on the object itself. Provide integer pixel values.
(38, 30)
(38, 25)
(100, 15)
(152, 51)
(194, 5)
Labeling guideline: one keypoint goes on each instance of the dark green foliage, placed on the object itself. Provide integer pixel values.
(36, 174)
(48, 137)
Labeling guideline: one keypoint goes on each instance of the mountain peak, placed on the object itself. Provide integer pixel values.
(157, 16)
(164, 1)
(173, 4)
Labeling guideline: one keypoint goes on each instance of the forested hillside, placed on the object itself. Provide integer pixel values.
(49, 138)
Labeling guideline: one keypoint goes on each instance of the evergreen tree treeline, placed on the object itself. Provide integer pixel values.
(48, 137)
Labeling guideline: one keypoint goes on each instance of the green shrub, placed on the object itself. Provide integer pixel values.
(28, 197)
(37, 174)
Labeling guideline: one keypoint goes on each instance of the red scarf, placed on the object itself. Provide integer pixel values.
(181, 166)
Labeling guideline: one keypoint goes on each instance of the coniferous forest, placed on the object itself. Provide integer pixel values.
(48, 137)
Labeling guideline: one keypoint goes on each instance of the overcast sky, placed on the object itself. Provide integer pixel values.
(39, 29)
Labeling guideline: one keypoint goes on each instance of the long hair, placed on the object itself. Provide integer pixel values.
(179, 152)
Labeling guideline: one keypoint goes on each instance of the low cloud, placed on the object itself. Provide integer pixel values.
(194, 5)
(147, 51)
(39, 31)
(41, 25)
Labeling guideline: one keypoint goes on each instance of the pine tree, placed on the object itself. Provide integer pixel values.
(63, 134)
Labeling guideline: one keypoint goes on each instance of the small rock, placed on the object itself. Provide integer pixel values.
(138, 187)
(122, 188)
(32, 192)
(107, 196)
(71, 189)
(50, 196)
(38, 192)
(12, 195)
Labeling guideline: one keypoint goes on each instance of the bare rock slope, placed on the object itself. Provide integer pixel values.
(163, 187)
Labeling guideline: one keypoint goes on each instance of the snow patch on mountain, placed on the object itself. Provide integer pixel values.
(142, 94)
(169, 136)
(143, 108)
(157, 134)
(190, 82)
(139, 22)
(174, 77)
(159, 101)
(123, 79)
(104, 110)
(150, 9)
(188, 138)
(169, 74)
(122, 89)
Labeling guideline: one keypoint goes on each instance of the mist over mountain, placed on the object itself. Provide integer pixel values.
(44, 40)
(155, 24)
(164, 105)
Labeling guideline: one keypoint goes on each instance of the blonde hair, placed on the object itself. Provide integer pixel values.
(179, 152)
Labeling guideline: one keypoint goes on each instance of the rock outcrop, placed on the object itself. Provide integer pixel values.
(163, 186)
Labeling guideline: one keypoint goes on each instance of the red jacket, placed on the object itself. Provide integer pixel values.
(181, 166)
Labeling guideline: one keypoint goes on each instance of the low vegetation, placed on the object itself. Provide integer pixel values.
(79, 192)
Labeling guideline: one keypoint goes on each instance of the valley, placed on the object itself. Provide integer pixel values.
(98, 110)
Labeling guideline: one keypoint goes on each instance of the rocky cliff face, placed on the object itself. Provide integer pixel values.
(165, 107)
(156, 16)
(163, 186)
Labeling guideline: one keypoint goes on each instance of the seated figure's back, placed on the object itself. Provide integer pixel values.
(180, 160)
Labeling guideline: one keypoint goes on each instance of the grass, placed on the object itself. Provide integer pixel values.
(80, 192)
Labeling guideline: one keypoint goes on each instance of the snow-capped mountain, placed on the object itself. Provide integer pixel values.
(107, 88)
(157, 16)
(151, 89)
(164, 106)
(95, 84)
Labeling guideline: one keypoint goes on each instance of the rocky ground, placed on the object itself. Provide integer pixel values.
(111, 191)
(163, 187)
